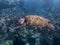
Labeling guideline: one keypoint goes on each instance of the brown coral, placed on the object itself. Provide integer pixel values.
(36, 21)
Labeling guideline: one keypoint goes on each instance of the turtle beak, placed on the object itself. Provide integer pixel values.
(21, 21)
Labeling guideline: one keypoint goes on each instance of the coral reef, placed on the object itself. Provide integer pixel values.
(13, 10)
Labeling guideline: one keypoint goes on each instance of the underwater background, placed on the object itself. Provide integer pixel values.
(10, 10)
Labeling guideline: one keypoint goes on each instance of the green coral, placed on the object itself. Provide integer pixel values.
(8, 42)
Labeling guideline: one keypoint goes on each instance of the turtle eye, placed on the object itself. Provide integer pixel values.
(49, 21)
(25, 20)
